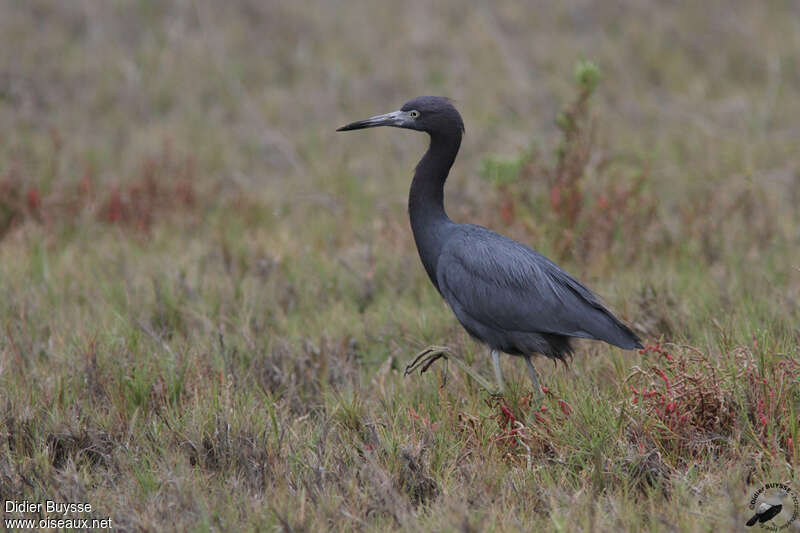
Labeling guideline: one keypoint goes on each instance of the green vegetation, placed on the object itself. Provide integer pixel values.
(208, 297)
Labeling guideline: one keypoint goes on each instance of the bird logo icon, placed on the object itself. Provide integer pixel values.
(774, 507)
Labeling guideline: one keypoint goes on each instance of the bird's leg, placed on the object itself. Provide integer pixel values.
(498, 375)
(431, 354)
(537, 388)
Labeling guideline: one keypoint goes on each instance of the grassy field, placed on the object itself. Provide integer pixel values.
(208, 297)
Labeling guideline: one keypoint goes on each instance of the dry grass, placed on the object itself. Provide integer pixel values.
(207, 296)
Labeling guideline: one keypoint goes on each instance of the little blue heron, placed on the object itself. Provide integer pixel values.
(505, 294)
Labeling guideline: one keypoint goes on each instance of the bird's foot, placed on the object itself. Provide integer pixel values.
(426, 358)
(431, 354)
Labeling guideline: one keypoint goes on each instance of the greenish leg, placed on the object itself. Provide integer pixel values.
(497, 373)
(431, 354)
(537, 388)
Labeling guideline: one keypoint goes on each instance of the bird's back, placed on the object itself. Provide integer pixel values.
(518, 301)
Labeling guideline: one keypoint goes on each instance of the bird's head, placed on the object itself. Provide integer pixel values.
(432, 114)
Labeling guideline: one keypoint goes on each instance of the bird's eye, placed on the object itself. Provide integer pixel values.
(413, 113)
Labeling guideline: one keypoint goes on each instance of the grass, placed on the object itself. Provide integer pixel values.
(207, 297)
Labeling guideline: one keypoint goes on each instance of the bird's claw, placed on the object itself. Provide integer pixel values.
(426, 358)
(431, 354)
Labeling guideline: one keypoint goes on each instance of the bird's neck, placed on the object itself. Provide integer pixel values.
(426, 199)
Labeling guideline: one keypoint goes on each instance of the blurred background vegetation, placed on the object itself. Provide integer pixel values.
(206, 294)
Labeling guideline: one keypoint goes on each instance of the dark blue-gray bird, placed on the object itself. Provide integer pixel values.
(505, 294)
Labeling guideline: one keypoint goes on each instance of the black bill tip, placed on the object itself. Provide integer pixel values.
(349, 127)
(395, 118)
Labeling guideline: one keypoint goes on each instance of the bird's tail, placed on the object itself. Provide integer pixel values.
(613, 331)
(625, 338)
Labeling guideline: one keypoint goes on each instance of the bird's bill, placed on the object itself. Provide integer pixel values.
(395, 118)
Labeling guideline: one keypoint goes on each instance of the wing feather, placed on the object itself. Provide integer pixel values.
(508, 286)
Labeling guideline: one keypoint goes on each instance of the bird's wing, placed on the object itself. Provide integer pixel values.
(506, 285)
(770, 513)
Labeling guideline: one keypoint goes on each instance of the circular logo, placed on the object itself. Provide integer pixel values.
(773, 507)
